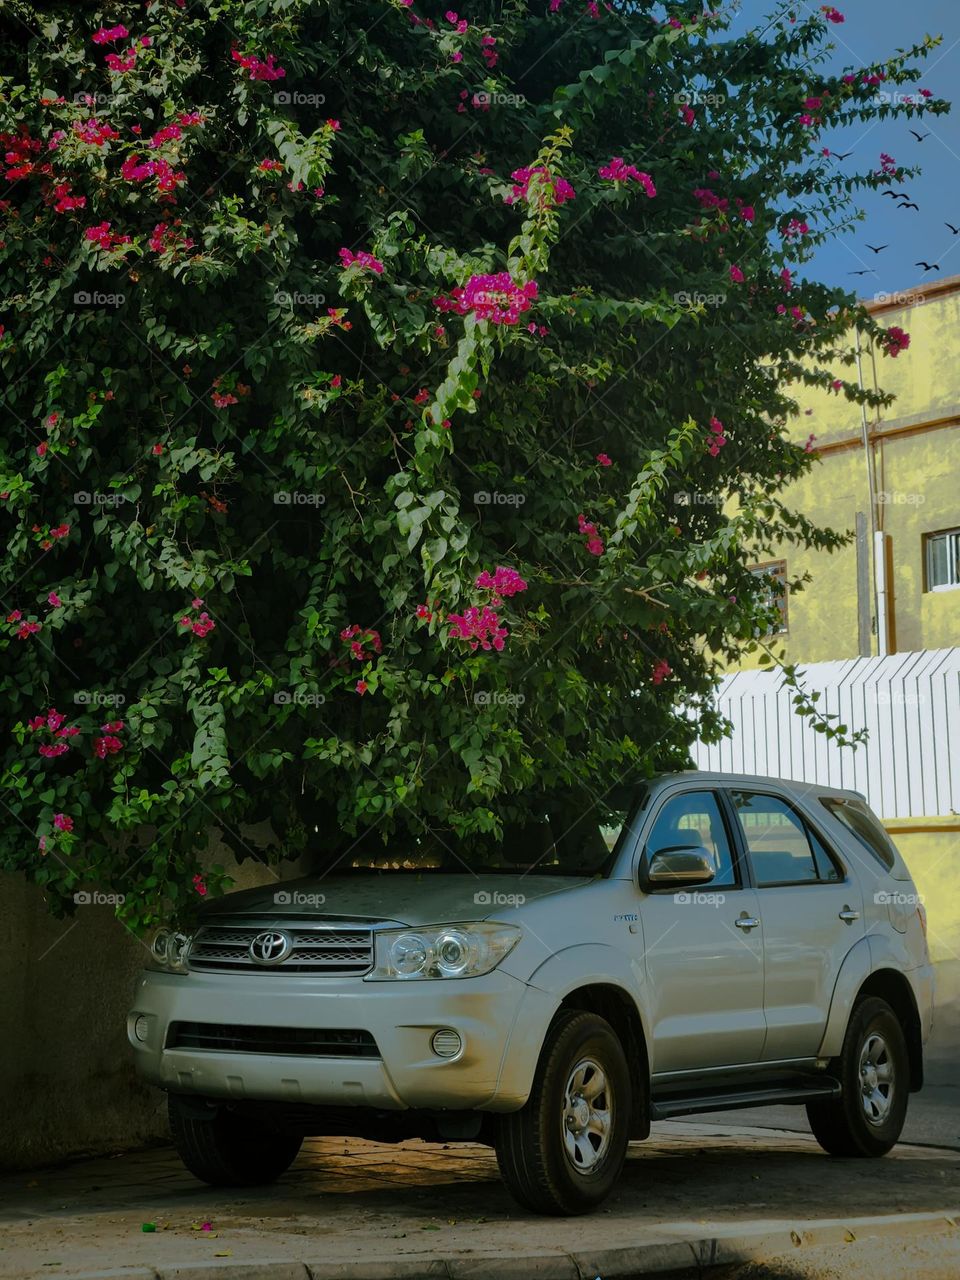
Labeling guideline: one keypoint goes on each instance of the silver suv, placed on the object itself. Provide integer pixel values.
(705, 941)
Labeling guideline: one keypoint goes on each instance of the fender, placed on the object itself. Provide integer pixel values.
(872, 952)
(854, 971)
(581, 965)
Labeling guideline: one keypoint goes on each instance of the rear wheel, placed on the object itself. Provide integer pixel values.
(563, 1151)
(874, 1073)
(225, 1149)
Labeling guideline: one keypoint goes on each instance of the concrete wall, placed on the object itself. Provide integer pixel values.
(67, 1085)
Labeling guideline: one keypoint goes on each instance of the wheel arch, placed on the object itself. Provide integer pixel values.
(893, 987)
(618, 1007)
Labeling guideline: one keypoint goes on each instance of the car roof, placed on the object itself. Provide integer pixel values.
(796, 787)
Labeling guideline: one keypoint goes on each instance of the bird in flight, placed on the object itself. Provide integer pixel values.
(897, 195)
(919, 136)
(928, 266)
(955, 230)
(861, 273)
(909, 204)
(878, 249)
(841, 155)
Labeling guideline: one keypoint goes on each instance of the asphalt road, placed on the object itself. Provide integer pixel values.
(933, 1117)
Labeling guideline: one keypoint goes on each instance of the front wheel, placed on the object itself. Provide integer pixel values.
(874, 1073)
(562, 1152)
(227, 1150)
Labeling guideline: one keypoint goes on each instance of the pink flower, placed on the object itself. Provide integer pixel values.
(502, 582)
(42, 449)
(497, 298)
(27, 629)
(594, 543)
(107, 745)
(361, 687)
(109, 35)
(336, 380)
(62, 822)
(54, 600)
(200, 885)
(831, 14)
(787, 277)
(48, 751)
(887, 165)
(747, 213)
(896, 340)
(362, 261)
(617, 170)
(808, 446)
(661, 669)
(264, 69)
(686, 114)
(479, 626)
(717, 438)
(605, 460)
(104, 238)
(736, 275)
(15, 616)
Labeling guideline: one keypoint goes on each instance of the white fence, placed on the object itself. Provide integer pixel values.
(908, 702)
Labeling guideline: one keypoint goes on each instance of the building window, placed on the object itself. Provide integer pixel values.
(775, 571)
(942, 559)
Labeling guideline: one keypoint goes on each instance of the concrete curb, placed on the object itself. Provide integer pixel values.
(681, 1249)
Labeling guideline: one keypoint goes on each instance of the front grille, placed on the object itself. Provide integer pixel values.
(299, 1042)
(315, 948)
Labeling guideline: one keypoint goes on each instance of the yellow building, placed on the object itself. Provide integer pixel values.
(900, 473)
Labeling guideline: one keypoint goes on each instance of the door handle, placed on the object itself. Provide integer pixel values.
(746, 922)
(848, 915)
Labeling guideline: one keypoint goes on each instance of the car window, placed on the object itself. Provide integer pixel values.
(692, 820)
(783, 850)
(861, 824)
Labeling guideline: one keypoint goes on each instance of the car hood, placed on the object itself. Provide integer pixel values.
(396, 897)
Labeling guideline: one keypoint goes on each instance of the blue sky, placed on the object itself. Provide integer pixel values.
(873, 30)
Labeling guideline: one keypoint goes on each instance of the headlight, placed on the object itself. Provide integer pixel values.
(442, 951)
(169, 950)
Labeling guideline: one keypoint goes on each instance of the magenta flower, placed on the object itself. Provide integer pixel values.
(62, 822)
(605, 460)
(54, 600)
(896, 340)
(260, 69)
(109, 35)
(502, 582)
(497, 298)
(736, 275)
(200, 885)
(594, 542)
(661, 669)
(362, 261)
(617, 170)
(479, 626)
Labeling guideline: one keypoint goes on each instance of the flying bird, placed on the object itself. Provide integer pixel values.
(928, 266)
(841, 155)
(919, 136)
(897, 195)
(955, 230)
(878, 250)
(908, 204)
(861, 273)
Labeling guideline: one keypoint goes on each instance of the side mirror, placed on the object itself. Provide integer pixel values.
(676, 867)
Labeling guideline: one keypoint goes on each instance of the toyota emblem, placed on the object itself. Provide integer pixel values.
(270, 948)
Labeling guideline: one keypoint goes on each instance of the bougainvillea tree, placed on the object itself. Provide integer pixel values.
(394, 398)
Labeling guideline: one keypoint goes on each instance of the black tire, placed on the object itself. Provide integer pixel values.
(227, 1150)
(533, 1145)
(841, 1125)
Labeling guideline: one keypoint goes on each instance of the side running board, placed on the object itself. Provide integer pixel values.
(668, 1105)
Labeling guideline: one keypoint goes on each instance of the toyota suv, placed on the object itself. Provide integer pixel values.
(705, 941)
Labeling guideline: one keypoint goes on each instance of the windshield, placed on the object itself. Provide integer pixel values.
(568, 837)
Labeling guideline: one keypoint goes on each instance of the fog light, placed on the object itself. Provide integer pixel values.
(446, 1043)
(141, 1028)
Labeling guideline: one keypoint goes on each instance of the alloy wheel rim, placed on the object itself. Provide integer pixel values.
(587, 1119)
(876, 1075)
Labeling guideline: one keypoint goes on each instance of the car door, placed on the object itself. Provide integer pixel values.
(703, 958)
(811, 913)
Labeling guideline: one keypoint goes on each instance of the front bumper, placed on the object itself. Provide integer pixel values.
(501, 1022)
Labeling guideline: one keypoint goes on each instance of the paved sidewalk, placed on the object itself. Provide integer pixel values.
(362, 1211)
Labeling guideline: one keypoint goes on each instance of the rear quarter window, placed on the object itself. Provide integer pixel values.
(864, 827)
